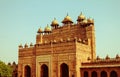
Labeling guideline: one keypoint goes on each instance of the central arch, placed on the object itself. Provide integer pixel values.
(44, 70)
(64, 70)
(27, 71)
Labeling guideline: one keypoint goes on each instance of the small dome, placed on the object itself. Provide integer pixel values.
(81, 17)
(54, 22)
(40, 30)
(26, 46)
(9, 64)
(98, 58)
(85, 21)
(90, 20)
(67, 19)
(20, 46)
(47, 29)
(14, 63)
(31, 44)
(117, 56)
(107, 57)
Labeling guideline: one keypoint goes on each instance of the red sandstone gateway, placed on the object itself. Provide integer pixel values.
(66, 51)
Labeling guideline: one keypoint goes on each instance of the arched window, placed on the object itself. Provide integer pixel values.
(94, 74)
(44, 70)
(27, 71)
(103, 74)
(113, 74)
(85, 74)
(64, 70)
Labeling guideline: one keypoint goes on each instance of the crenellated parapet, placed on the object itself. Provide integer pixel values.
(26, 46)
(103, 61)
(107, 59)
(79, 40)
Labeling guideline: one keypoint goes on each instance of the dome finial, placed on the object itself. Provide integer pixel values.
(81, 13)
(67, 14)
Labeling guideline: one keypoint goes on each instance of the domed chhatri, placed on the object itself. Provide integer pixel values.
(85, 21)
(40, 30)
(26, 46)
(81, 17)
(47, 29)
(107, 57)
(20, 46)
(117, 56)
(31, 44)
(54, 23)
(67, 20)
(98, 58)
(90, 21)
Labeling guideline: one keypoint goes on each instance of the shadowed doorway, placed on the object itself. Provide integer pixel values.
(27, 71)
(94, 74)
(113, 74)
(64, 70)
(44, 70)
(103, 74)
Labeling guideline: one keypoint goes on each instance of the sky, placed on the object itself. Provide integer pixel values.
(20, 20)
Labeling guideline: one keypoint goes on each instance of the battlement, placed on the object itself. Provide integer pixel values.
(54, 47)
(102, 61)
(31, 46)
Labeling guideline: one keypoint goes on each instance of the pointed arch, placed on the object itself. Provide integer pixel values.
(27, 71)
(85, 74)
(113, 74)
(94, 74)
(64, 70)
(44, 71)
(103, 74)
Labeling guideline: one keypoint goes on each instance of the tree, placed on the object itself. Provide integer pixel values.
(5, 70)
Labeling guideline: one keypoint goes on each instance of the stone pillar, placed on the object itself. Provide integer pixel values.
(90, 33)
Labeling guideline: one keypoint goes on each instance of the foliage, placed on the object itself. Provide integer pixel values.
(5, 70)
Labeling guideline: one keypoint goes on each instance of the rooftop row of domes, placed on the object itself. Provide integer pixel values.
(67, 20)
(106, 58)
(26, 45)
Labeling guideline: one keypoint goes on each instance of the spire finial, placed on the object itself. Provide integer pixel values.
(54, 18)
(81, 13)
(67, 14)
(47, 25)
